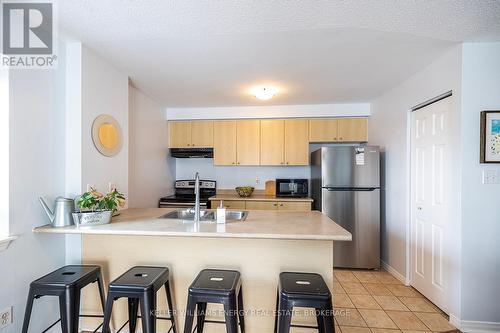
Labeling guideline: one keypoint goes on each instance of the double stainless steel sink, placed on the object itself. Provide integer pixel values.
(205, 215)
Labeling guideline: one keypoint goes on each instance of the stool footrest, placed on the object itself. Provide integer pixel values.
(81, 316)
(158, 318)
(305, 326)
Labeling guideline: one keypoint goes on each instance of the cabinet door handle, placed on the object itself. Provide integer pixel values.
(275, 205)
(281, 205)
(238, 163)
(233, 163)
(287, 162)
(335, 138)
(340, 138)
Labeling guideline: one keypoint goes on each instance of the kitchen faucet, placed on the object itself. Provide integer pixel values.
(197, 198)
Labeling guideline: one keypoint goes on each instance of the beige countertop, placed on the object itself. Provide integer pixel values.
(260, 224)
(256, 197)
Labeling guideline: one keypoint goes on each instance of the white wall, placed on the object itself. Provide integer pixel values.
(480, 219)
(4, 151)
(36, 141)
(278, 111)
(388, 127)
(104, 91)
(151, 170)
(93, 87)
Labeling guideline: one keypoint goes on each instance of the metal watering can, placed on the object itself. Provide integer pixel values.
(61, 215)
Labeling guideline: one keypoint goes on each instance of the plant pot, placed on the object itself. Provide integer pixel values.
(83, 219)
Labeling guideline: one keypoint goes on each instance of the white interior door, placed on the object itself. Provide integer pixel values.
(430, 199)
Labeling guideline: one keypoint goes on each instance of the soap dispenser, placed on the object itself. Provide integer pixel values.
(221, 213)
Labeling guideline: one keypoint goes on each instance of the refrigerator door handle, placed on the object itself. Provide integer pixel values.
(353, 189)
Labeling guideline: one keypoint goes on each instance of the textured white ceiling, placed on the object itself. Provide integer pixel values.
(207, 53)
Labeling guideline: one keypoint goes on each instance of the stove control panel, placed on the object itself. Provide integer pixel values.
(210, 184)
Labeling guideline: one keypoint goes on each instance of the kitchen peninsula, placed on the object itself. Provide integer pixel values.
(262, 246)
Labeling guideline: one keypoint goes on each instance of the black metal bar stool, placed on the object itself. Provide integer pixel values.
(66, 283)
(307, 290)
(215, 286)
(140, 285)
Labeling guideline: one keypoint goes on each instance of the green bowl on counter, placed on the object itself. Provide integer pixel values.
(244, 191)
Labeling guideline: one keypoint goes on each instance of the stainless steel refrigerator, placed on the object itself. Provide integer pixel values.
(345, 185)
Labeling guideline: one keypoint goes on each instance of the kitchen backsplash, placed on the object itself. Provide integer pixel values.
(230, 177)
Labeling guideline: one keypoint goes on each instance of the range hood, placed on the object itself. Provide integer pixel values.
(192, 152)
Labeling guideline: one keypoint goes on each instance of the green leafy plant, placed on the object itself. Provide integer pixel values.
(94, 200)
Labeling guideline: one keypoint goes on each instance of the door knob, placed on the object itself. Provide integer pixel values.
(419, 208)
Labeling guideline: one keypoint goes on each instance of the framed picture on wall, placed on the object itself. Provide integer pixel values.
(490, 137)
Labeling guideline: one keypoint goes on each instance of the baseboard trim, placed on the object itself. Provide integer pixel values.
(395, 273)
(469, 326)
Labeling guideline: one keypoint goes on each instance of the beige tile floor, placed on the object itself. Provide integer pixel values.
(376, 302)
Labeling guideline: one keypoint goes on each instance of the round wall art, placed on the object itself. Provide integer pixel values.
(107, 135)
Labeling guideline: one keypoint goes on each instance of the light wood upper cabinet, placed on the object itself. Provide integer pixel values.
(353, 129)
(179, 134)
(272, 142)
(296, 142)
(323, 130)
(188, 134)
(266, 141)
(248, 142)
(225, 142)
(202, 134)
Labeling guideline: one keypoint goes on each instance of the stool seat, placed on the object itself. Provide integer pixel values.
(70, 275)
(141, 278)
(216, 282)
(140, 285)
(303, 285)
(66, 283)
(307, 290)
(215, 286)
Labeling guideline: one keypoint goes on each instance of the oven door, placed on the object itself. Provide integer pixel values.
(168, 204)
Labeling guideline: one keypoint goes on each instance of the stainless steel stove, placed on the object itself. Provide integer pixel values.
(184, 194)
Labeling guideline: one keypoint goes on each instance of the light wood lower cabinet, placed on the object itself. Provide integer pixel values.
(230, 204)
(261, 205)
(294, 205)
(225, 142)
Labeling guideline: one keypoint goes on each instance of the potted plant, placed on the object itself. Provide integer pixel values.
(96, 208)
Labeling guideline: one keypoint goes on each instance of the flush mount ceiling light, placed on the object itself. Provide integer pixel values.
(264, 93)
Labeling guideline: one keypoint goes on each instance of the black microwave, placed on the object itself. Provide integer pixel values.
(297, 188)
